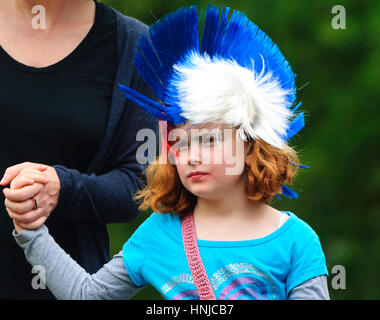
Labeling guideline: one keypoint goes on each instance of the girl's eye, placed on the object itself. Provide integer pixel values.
(180, 145)
(206, 140)
(209, 140)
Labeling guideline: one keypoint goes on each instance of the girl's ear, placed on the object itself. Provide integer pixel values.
(247, 160)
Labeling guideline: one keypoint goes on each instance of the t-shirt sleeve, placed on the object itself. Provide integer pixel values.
(136, 251)
(307, 261)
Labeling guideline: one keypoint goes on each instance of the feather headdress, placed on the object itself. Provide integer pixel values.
(235, 75)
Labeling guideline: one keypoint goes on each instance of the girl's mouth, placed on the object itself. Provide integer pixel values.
(197, 177)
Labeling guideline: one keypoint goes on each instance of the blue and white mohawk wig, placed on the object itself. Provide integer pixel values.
(236, 75)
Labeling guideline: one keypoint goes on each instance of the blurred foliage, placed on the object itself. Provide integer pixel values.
(338, 82)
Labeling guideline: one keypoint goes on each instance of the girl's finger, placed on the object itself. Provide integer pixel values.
(17, 227)
(34, 225)
(23, 194)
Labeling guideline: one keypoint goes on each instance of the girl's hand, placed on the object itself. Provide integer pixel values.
(28, 185)
(17, 227)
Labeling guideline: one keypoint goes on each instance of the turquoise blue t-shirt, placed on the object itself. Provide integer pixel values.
(265, 268)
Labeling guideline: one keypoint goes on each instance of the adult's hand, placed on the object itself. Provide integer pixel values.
(20, 196)
(11, 172)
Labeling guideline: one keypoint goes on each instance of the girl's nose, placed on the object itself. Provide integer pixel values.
(195, 155)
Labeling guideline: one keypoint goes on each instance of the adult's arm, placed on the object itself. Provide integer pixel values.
(108, 197)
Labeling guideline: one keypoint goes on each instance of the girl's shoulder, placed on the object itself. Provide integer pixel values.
(308, 259)
(301, 235)
(300, 226)
(159, 224)
(157, 231)
(165, 219)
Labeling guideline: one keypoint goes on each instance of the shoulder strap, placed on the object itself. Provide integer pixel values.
(194, 260)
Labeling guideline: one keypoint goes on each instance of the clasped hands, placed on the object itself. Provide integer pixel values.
(29, 181)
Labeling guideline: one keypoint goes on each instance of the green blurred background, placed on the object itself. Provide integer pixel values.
(338, 81)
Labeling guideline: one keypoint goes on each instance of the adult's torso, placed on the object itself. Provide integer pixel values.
(56, 114)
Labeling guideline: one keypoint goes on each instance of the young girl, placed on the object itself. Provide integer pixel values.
(213, 234)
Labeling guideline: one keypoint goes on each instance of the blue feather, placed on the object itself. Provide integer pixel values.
(170, 39)
(296, 107)
(289, 193)
(299, 165)
(294, 127)
(214, 29)
(149, 105)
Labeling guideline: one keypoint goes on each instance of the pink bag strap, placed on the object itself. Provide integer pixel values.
(194, 260)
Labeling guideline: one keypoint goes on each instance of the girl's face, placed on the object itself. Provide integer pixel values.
(215, 152)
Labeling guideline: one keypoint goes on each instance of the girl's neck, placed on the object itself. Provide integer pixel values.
(228, 207)
(233, 203)
(233, 217)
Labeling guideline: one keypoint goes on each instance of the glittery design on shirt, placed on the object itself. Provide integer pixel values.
(232, 282)
(181, 278)
(236, 268)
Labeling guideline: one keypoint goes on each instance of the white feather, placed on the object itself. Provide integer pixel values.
(221, 90)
